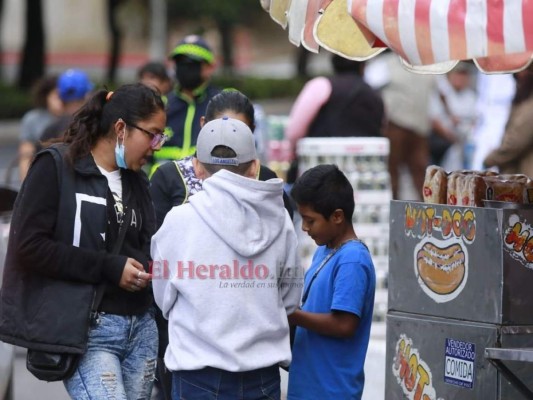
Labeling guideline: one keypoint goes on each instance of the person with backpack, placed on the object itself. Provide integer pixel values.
(76, 281)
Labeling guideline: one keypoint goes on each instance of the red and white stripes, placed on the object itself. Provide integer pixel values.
(432, 31)
(497, 34)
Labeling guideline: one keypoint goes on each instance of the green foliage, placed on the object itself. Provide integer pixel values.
(229, 11)
(14, 102)
(261, 88)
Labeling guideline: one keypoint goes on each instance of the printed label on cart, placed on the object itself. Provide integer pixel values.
(412, 372)
(518, 239)
(459, 363)
(441, 258)
(441, 268)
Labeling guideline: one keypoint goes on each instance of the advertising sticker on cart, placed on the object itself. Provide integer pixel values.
(459, 363)
(441, 256)
(412, 372)
(518, 239)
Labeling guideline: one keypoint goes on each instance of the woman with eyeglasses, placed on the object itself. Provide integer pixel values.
(79, 248)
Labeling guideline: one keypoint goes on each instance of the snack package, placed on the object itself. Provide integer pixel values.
(451, 192)
(472, 190)
(528, 191)
(435, 185)
(509, 188)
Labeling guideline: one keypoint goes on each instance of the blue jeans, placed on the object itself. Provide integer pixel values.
(120, 361)
(216, 384)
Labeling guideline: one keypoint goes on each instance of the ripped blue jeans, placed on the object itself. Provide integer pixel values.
(120, 361)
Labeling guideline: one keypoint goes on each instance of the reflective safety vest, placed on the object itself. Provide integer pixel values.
(183, 123)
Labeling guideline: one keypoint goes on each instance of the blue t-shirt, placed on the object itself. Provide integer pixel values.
(325, 367)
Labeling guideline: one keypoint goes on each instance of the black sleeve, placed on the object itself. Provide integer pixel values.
(149, 224)
(265, 174)
(35, 220)
(167, 190)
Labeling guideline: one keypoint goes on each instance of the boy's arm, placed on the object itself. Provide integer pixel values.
(349, 294)
(339, 324)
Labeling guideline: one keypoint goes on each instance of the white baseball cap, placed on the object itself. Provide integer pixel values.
(226, 132)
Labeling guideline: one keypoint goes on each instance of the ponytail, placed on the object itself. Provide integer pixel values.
(133, 103)
(84, 131)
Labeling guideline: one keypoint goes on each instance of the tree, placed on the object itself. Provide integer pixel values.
(32, 66)
(114, 31)
(158, 29)
(225, 15)
(1, 53)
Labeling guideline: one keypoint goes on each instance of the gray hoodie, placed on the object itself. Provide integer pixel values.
(226, 274)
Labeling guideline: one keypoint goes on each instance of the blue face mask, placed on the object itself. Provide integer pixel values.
(119, 155)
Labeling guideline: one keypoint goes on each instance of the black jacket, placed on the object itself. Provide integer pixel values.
(58, 251)
(170, 186)
(183, 122)
(353, 109)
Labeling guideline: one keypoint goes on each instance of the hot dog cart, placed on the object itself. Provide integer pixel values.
(459, 320)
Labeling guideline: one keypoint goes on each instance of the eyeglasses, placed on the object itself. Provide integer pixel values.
(158, 139)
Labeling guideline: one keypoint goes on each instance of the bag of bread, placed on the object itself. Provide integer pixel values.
(451, 191)
(471, 190)
(435, 184)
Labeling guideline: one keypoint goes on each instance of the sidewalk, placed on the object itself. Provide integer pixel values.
(9, 131)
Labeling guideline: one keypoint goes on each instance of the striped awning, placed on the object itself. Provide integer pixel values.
(430, 36)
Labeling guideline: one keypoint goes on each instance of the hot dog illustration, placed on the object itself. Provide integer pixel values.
(441, 269)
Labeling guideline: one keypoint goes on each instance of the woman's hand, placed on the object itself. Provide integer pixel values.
(133, 277)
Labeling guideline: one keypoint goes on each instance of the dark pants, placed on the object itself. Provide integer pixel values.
(216, 384)
(410, 149)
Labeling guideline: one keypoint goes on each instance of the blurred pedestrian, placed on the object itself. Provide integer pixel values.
(495, 96)
(174, 183)
(74, 88)
(227, 335)
(47, 107)
(453, 116)
(334, 318)
(155, 75)
(337, 106)
(81, 228)
(515, 154)
(195, 64)
(406, 96)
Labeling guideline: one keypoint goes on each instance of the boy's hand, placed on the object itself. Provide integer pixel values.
(337, 323)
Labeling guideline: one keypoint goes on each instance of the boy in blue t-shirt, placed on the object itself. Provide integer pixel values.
(333, 323)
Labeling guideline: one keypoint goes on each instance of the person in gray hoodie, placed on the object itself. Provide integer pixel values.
(226, 274)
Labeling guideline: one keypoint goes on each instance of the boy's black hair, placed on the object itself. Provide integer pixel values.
(325, 188)
(226, 152)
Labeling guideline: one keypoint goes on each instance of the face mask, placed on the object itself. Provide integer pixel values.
(120, 155)
(189, 74)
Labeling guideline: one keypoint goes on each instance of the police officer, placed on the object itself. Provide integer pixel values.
(195, 65)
